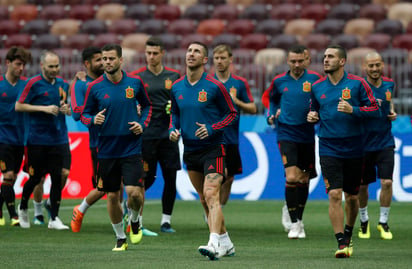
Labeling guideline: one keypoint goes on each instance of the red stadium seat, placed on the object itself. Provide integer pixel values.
(123, 27)
(154, 2)
(4, 12)
(152, 26)
(187, 39)
(53, 12)
(240, 27)
(285, 12)
(254, 41)
(225, 12)
(376, 12)
(77, 41)
(211, 27)
(23, 40)
(9, 27)
(82, 12)
(25, 12)
(403, 41)
(378, 41)
(167, 12)
(317, 12)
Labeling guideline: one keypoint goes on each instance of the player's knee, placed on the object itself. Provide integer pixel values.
(386, 184)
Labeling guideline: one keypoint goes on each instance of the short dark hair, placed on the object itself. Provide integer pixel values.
(116, 47)
(205, 48)
(156, 42)
(89, 52)
(18, 53)
(341, 50)
(298, 49)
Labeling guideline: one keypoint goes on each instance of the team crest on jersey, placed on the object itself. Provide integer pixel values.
(100, 183)
(388, 95)
(168, 84)
(63, 95)
(202, 96)
(284, 159)
(145, 167)
(3, 165)
(327, 185)
(233, 91)
(31, 171)
(346, 94)
(307, 87)
(129, 93)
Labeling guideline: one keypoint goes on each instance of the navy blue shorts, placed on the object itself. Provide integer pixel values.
(301, 155)
(381, 162)
(233, 160)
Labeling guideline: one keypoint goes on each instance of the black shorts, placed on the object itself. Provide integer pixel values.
(93, 153)
(11, 157)
(110, 173)
(206, 161)
(162, 151)
(301, 155)
(340, 173)
(233, 160)
(381, 161)
(67, 157)
(44, 159)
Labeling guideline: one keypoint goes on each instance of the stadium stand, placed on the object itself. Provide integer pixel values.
(225, 12)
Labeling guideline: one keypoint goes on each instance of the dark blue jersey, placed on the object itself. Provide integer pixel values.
(239, 87)
(206, 102)
(12, 123)
(158, 87)
(341, 133)
(44, 128)
(378, 131)
(120, 101)
(292, 96)
(77, 94)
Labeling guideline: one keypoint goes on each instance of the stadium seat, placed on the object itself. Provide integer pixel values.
(167, 12)
(243, 3)
(270, 27)
(409, 28)
(299, 27)
(240, 27)
(102, 39)
(344, 11)
(152, 26)
(270, 58)
(100, 2)
(386, 3)
(317, 12)
(378, 41)
(187, 39)
(254, 41)
(284, 12)
(346, 41)
(183, 4)
(25, 12)
(122, 27)
(283, 41)
(330, 26)
(395, 56)
(355, 56)
(65, 27)
(154, 2)
(82, 12)
(316, 42)
(36, 27)
(110, 12)
(401, 11)
(231, 40)
(77, 41)
(136, 41)
(182, 27)
(46, 42)
(139, 12)
(225, 12)
(68, 2)
(359, 27)
(198, 12)
(403, 41)
(376, 12)
(41, 2)
(389, 26)
(257, 12)
(212, 2)
(4, 12)
(23, 40)
(53, 12)
(93, 27)
(243, 56)
(211, 27)
(9, 27)
(170, 41)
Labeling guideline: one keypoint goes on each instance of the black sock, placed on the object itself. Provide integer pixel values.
(292, 200)
(303, 193)
(8, 195)
(340, 238)
(348, 233)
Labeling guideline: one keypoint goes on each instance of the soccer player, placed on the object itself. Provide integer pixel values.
(242, 98)
(201, 109)
(92, 60)
(44, 97)
(12, 129)
(110, 103)
(156, 147)
(289, 105)
(340, 101)
(379, 145)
